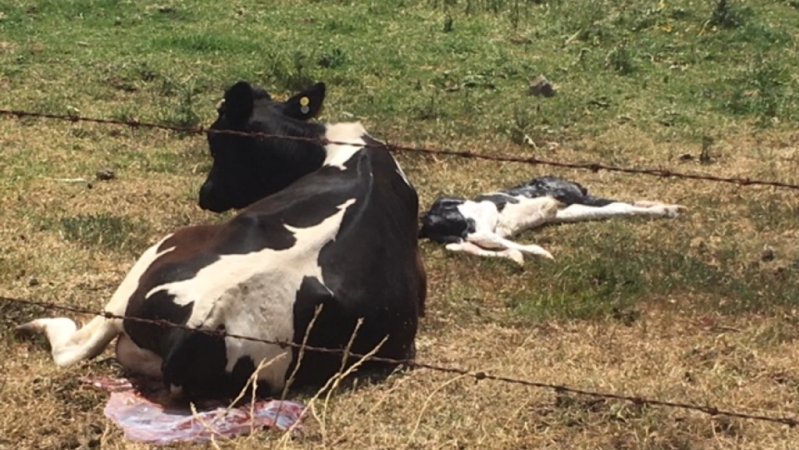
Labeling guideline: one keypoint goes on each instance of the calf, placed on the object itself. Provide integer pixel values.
(484, 225)
(330, 226)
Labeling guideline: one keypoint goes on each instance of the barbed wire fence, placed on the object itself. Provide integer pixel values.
(413, 363)
(531, 160)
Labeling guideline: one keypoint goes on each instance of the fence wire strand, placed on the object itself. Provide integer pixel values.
(531, 160)
(414, 364)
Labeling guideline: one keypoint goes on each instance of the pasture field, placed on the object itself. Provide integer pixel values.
(701, 309)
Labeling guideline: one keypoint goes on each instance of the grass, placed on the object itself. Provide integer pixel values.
(100, 230)
(700, 308)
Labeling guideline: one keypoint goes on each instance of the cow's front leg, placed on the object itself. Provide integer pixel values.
(69, 344)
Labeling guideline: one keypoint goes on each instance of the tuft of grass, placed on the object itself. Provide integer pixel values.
(185, 113)
(726, 15)
(293, 71)
(582, 288)
(620, 60)
(760, 92)
(608, 279)
(103, 230)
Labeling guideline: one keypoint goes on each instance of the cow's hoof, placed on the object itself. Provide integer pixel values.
(672, 210)
(514, 255)
(661, 209)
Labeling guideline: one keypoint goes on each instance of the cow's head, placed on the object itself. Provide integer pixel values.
(248, 168)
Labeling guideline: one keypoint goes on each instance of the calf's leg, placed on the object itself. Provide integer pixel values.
(494, 241)
(472, 249)
(580, 213)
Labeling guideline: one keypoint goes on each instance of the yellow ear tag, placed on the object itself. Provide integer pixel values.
(304, 102)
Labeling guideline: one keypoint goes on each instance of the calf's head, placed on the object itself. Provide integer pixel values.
(248, 168)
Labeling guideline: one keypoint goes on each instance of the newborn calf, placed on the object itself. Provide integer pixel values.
(484, 225)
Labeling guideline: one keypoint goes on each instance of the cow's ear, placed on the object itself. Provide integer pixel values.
(238, 102)
(306, 104)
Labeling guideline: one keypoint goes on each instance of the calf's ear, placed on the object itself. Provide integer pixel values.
(238, 102)
(306, 104)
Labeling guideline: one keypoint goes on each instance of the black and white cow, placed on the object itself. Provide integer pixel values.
(327, 225)
(484, 225)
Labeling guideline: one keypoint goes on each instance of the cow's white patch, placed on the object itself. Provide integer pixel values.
(253, 294)
(70, 345)
(351, 132)
(138, 359)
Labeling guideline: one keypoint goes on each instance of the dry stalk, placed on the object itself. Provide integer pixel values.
(344, 357)
(301, 353)
(427, 403)
(195, 415)
(350, 370)
(252, 380)
(374, 407)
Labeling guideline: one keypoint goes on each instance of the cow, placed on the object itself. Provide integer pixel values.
(326, 243)
(484, 226)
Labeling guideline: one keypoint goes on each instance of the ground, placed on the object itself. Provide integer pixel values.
(698, 309)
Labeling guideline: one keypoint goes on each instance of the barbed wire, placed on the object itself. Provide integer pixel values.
(531, 160)
(414, 364)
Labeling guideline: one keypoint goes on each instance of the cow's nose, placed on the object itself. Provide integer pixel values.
(207, 200)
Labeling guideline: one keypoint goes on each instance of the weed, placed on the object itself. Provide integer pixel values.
(184, 115)
(449, 24)
(336, 58)
(725, 15)
(620, 60)
(704, 155)
(759, 91)
(291, 71)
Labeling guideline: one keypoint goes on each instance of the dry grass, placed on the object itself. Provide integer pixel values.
(670, 344)
(699, 309)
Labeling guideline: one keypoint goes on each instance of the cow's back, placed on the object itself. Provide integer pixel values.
(371, 271)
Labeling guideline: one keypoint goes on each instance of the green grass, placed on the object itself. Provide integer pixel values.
(609, 282)
(623, 307)
(116, 233)
(672, 70)
(427, 70)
